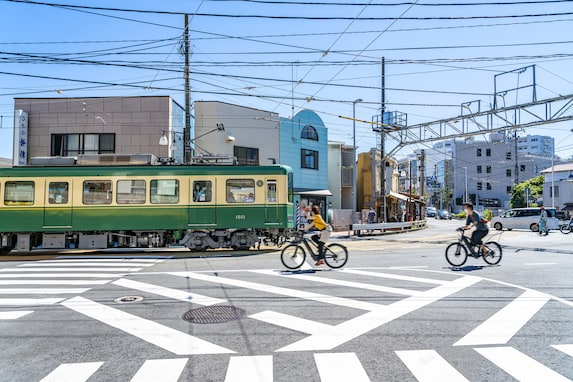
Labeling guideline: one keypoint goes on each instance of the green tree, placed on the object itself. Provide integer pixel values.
(518, 193)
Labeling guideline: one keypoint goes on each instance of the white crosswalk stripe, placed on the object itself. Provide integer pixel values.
(55, 277)
(73, 372)
(157, 334)
(251, 369)
(503, 325)
(520, 366)
(169, 292)
(429, 366)
(164, 370)
(340, 367)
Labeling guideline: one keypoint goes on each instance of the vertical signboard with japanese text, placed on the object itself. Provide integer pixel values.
(20, 156)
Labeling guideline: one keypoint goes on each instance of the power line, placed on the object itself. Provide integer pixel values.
(432, 4)
(285, 17)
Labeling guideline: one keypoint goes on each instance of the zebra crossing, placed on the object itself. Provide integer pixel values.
(425, 366)
(323, 343)
(28, 284)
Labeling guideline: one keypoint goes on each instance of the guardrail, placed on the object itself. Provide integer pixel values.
(360, 229)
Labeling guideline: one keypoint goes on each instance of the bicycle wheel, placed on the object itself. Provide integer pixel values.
(494, 253)
(293, 256)
(456, 254)
(565, 228)
(335, 255)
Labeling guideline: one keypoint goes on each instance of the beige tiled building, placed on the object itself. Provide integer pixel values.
(99, 125)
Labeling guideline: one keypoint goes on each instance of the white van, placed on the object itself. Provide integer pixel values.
(524, 218)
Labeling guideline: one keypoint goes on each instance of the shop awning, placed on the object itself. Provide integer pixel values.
(396, 195)
(314, 193)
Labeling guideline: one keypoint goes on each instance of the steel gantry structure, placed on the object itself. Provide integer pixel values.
(471, 123)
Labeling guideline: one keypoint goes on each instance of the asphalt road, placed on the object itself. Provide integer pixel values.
(396, 312)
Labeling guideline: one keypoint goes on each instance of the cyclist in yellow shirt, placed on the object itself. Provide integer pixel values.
(319, 224)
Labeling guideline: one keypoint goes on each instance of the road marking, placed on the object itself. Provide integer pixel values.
(73, 372)
(350, 284)
(540, 264)
(29, 301)
(520, 366)
(54, 282)
(83, 259)
(340, 367)
(43, 290)
(164, 370)
(395, 277)
(251, 369)
(43, 269)
(13, 315)
(429, 366)
(81, 264)
(168, 292)
(348, 330)
(567, 349)
(172, 340)
(349, 303)
(56, 275)
(499, 328)
(291, 322)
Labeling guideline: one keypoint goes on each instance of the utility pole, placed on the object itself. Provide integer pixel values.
(422, 158)
(187, 131)
(382, 142)
(516, 175)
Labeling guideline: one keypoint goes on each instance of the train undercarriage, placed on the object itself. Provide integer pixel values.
(194, 240)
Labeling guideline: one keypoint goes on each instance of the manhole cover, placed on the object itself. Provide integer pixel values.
(213, 314)
(128, 299)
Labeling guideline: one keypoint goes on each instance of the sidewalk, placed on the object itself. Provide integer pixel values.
(514, 240)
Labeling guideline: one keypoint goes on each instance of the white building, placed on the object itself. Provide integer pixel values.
(536, 145)
(558, 186)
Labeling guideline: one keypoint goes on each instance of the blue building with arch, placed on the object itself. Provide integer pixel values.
(304, 147)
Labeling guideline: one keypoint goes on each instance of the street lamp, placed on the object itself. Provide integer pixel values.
(466, 188)
(354, 172)
(163, 141)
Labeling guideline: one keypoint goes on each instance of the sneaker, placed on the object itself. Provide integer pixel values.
(319, 262)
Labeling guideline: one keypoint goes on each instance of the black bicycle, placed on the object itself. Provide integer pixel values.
(567, 227)
(294, 254)
(457, 253)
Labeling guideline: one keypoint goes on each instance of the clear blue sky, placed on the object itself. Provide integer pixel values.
(280, 64)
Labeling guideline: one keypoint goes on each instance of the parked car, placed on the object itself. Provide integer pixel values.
(431, 212)
(524, 218)
(443, 214)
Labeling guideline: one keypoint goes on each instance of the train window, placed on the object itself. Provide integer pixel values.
(58, 192)
(97, 192)
(272, 191)
(130, 191)
(202, 191)
(290, 187)
(240, 191)
(164, 191)
(20, 193)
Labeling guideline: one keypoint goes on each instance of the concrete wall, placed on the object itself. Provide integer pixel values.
(136, 121)
(334, 173)
(250, 127)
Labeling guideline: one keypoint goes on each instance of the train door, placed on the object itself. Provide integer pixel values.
(271, 202)
(202, 206)
(58, 204)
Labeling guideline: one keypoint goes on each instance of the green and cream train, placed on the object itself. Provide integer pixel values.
(197, 206)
